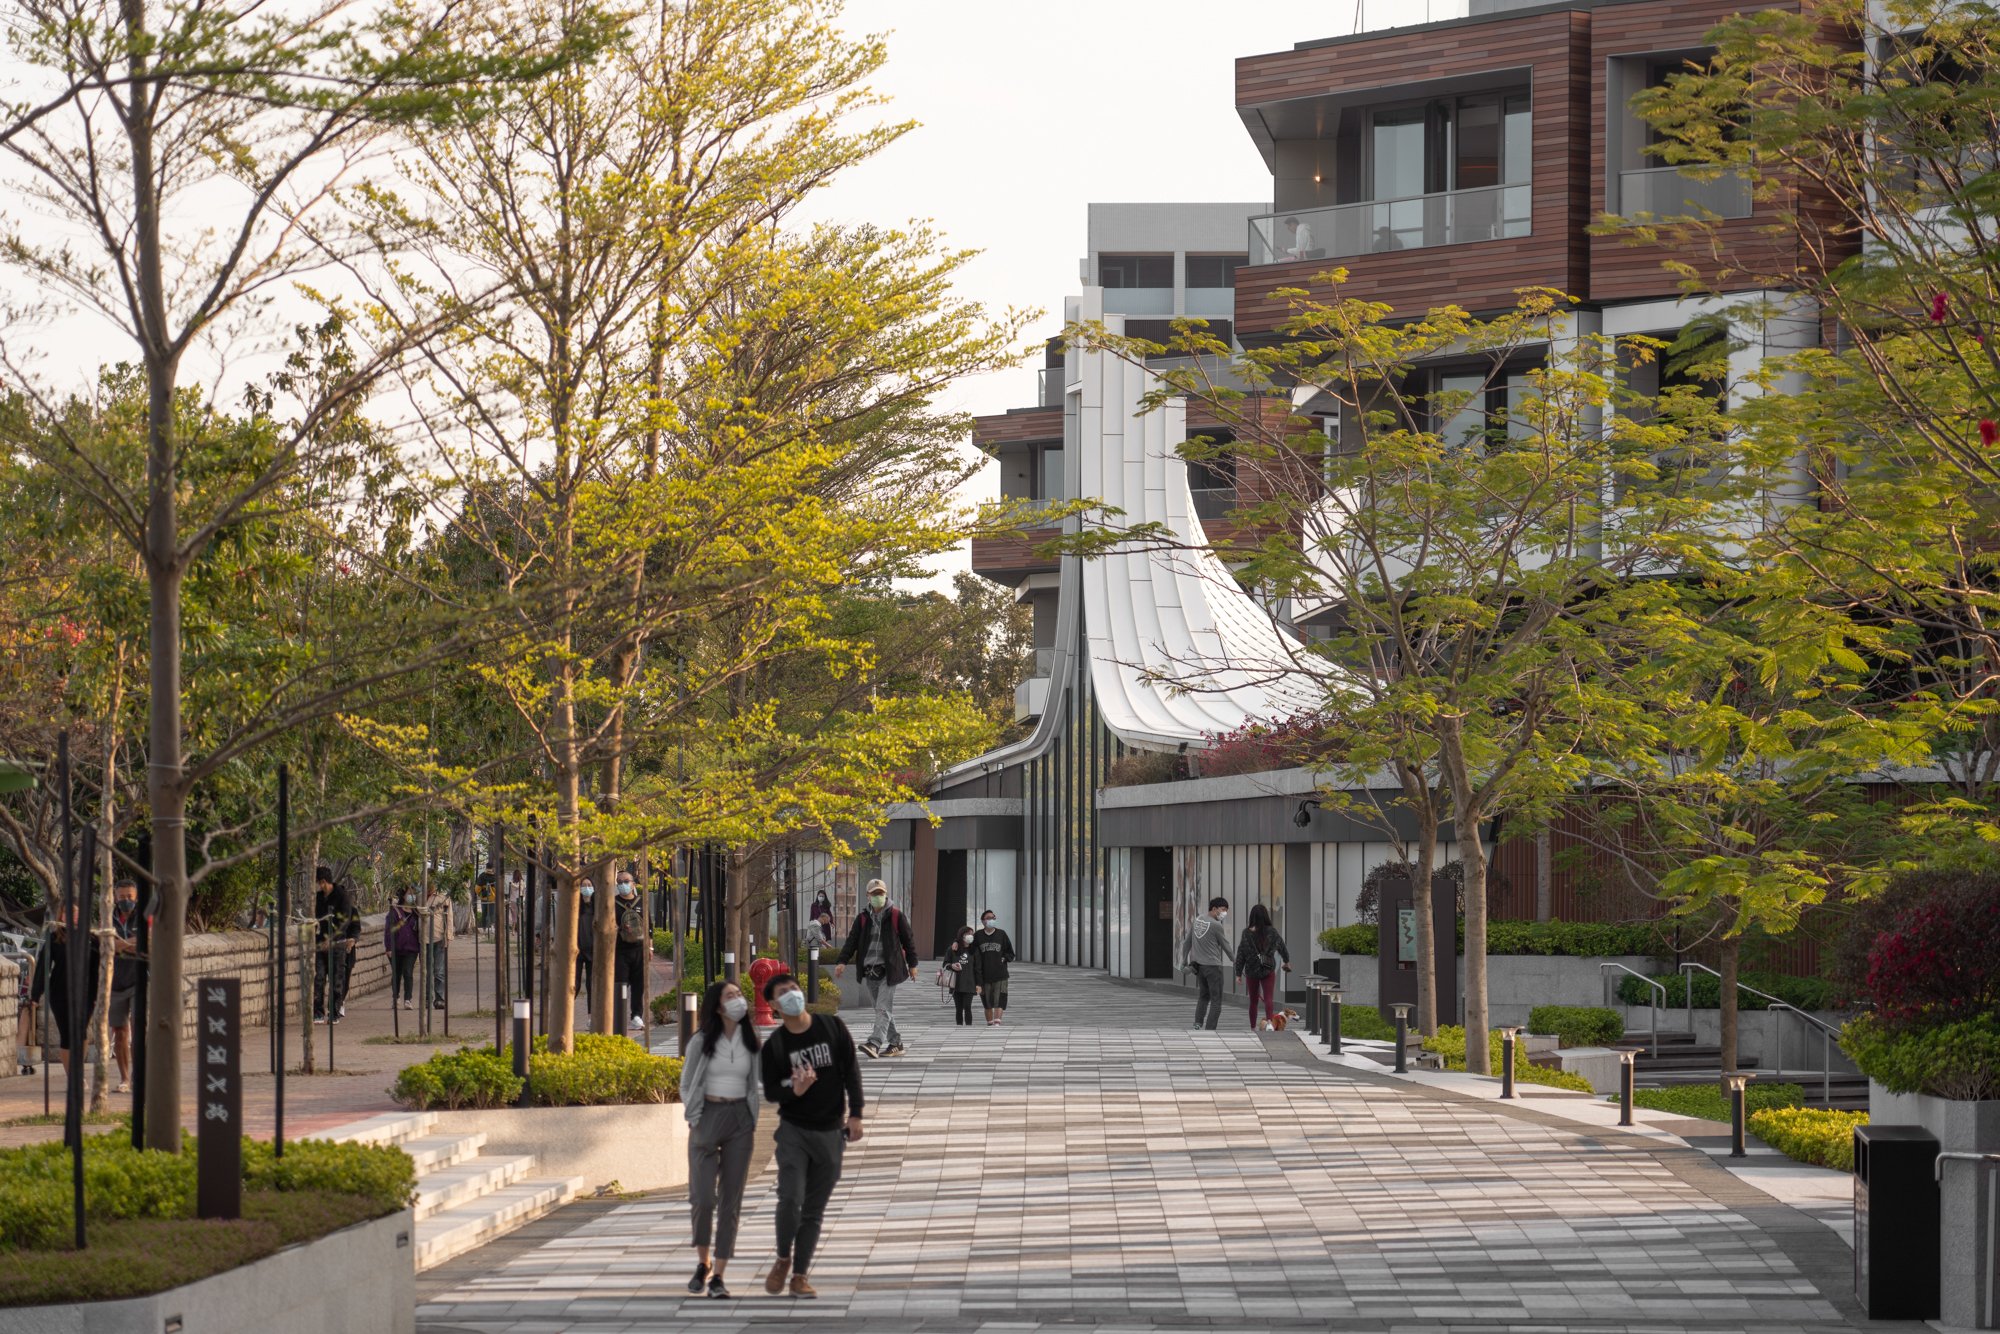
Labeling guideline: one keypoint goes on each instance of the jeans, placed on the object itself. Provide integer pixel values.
(1208, 999)
(583, 978)
(881, 993)
(330, 990)
(719, 1147)
(808, 1170)
(434, 961)
(403, 981)
(963, 1000)
(1264, 987)
(631, 975)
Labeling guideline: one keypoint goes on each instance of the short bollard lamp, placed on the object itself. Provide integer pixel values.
(521, 1047)
(1333, 998)
(1508, 1037)
(812, 972)
(690, 1007)
(1318, 988)
(1626, 1063)
(1734, 1085)
(729, 966)
(1402, 1038)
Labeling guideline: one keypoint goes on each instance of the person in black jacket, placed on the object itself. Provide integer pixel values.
(51, 985)
(995, 951)
(630, 965)
(586, 936)
(961, 972)
(337, 932)
(886, 949)
(809, 1070)
(1257, 956)
(124, 975)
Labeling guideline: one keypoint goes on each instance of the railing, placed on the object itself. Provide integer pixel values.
(1668, 192)
(1374, 226)
(1045, 662)
(1212, 504)
(1827, 1032)
(1049, 386)
(1659, 989)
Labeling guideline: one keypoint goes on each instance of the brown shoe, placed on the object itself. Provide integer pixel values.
(801, 1288)
(774, 1282)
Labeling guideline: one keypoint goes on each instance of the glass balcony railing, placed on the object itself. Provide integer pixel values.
(1666, 192)
(1451, 217)
(1049, 385)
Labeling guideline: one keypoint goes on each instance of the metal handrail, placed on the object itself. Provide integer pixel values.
(1827, 1031)
(1656, 986)
(1937, 1167)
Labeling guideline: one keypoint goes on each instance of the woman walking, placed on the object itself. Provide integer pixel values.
(1257, 956)
(720, 1092)
(961, 965)
(402, 941)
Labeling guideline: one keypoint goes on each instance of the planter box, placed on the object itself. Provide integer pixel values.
(1965, 1243)
(640, 1146)
(1515, 983)
(1599, 1065)
(359, 1278)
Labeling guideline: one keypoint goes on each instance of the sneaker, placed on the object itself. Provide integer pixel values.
(342, 1015)
(437, 1005)
(409, 1005)
(801, 1288)
(870, 1050)
(895, 1050)
(319, 1018)
(774, 1282)
(123, 1086)
(718, 1289)
(700, 1278)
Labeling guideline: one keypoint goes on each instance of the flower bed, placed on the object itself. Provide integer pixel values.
(1810, 1134)
(604, 1068)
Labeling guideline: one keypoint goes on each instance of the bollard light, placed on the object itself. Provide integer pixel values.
(1333, 995)
(690, 1004)
(729, 965)
(1402, 1038)
(521, 1048)
(1735, 1085)
(1626, 1063)
(1318, 989)
(812, 974)
(1508, 1037)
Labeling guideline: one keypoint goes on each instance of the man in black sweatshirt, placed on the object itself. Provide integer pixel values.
(809, 1070)
(992, 952)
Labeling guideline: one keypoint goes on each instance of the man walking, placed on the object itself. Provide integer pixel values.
(631, 962)
(809, 1071)
(337, 928)
(437, 910)
(1207, 951)
(124, 975)
(886, 949)
(992, 951)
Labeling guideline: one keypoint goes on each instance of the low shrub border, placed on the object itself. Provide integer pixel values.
(1577, 1025)
(603, 1068)
(1582, 940)
(1450, 1044)
(1705, 1101)
(1959, 1060)
(1807, 993)
(1810, 1134)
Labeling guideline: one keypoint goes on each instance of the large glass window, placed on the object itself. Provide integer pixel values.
(1396, 149)
(1135, 270)
(1214, 270)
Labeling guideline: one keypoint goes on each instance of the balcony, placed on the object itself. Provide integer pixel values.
(1376, 226)
(1668, 192)
(1049, 386)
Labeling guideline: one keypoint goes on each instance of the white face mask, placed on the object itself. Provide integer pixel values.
(624, 889)
(990, 924)
(586, 891)
(792, 1004)
(736, 1007)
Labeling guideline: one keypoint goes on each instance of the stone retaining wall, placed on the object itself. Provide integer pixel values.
(1515, 983)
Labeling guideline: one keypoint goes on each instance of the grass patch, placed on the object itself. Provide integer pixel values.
(474, 1014)
(1705, 1101)
(131, 1257)
(410, 1040)
(56, 1119)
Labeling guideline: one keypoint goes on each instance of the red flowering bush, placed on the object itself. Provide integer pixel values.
(1928, 951)
(1256, 748)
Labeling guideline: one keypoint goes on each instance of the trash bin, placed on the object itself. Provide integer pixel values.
(1896, 1222)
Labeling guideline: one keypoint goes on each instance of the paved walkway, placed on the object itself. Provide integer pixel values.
(1094, 1165)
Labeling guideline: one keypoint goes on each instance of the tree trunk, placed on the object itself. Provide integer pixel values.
(1417, 789)
(1466, 816)
(107, 862)
(1544, 875)
(1731, 948)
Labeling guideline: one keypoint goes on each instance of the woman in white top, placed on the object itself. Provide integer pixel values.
(720, 1093)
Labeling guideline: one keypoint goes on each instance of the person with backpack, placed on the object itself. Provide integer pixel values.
(337, 931)
(886, 949)
(1257, 956)
(631, 962)
(402, 941)
(960, 974)
(995, 952)
(1206, 951)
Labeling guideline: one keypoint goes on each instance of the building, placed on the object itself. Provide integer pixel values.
(1449, 162)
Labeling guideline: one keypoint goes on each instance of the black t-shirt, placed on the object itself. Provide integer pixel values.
(828, 1048)
(994, 951)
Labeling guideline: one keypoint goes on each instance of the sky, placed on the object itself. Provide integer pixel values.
(1030, 110)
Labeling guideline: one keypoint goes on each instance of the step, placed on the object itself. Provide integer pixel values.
(429, 1153)
(453, 1232)
(449, 1187)
(388, 1128)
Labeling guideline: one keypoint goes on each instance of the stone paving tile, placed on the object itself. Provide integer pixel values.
(1092, 1165)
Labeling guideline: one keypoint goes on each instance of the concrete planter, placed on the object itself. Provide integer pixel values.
(1964, 1205)
(362, 1277)
(1515, 983)
(636, 1146)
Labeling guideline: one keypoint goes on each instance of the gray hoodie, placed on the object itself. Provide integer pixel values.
(1207, 944)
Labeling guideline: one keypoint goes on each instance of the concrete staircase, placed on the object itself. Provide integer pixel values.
(1683, 1061)
(465, 1198)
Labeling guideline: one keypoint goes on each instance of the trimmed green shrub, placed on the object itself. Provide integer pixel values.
(604, 1068)
(1365, 1021)
(1577, 1025)
(1810, 1134)
(1959, 1060)
(381, 1172)
(1705, 1101)
(1582, 940)
(1450, 1044)
(468, 1077)
(1807, 993)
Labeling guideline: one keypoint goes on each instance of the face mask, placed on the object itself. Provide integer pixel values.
(586, 891)
(624, 889)
(409, 898)
(877, 900)
(736, 1007)
(127, 905)
(989, 924)
(792, 1004)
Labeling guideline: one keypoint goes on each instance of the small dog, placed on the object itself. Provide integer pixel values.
(1280, 1021)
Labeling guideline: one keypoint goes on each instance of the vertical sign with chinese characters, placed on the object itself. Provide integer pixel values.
(219, 1094)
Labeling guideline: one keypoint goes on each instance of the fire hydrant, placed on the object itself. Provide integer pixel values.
(761, 972)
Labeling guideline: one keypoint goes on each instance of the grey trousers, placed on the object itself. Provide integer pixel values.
(880, 993)
(1208, 1000)
(719, 1147)
(808, 1170)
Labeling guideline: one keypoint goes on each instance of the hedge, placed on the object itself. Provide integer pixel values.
(1582, 940)
(1705, 1101)
(1450, 1044)
(1577, 1025)
(1810, 1134)
(1959, 1060)
(603, 1068)
(1807, 993)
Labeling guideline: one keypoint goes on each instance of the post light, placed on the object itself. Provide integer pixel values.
(812, 974)
(1735, 1084)
(1313, 985)
(1333, 997)
(1402, 1038)
(1508, 1037)
(689, 1004)
(1626, 1063)
(729, 965)
(521, 1012)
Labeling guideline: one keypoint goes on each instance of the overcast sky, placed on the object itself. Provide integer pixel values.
(1032, 109)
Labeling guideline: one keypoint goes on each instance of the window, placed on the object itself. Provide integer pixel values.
(1214, 270)
(1475, 406)
(1135, 270)
(1162, 332)
(1212, 477)
(1473, 142)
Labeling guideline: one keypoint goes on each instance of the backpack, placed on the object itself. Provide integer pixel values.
(631, 922)
(1263, 961)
